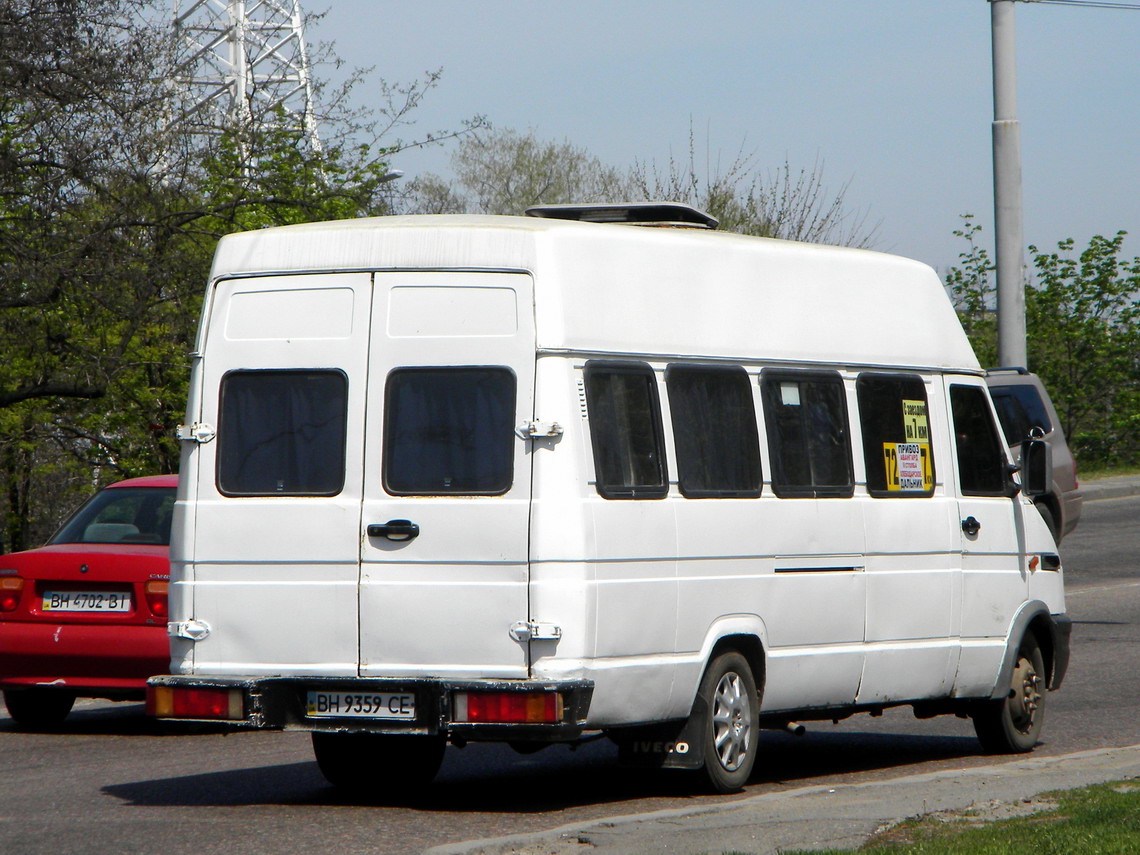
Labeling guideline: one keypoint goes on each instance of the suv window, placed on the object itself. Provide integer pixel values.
(625, 430)
(714, 431)
(1020, 409)
(806, 416)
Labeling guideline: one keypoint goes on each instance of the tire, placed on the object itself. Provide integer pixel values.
(1012, 725)
(38, 708)
(378, 764)
(731, 708)
(1050, 520)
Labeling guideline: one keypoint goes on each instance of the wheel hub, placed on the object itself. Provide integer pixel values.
(731, 719)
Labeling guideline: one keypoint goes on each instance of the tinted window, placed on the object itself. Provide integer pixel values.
(981, 455)
(449, 431)
(1019, 409)
(806, 415)
(625, 430)
(714, 431)
(122, 515)
(895, 421)
(282, 433)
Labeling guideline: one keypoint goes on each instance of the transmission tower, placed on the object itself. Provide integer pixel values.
(241, 61)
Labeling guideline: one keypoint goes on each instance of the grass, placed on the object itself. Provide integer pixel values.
(1091, 473)
(1098, 820)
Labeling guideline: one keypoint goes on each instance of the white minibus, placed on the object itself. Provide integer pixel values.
(600, 470)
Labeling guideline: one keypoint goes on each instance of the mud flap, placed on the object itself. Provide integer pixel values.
(672, 745)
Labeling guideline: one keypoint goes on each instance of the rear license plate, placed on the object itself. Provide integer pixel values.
(86, 601)
(388, 705)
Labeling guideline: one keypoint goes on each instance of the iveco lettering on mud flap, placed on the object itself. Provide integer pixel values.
(540, 479)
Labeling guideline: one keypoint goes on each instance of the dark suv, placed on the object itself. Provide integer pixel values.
(1023, 405)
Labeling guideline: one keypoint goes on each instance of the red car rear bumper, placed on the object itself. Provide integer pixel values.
(86, 658)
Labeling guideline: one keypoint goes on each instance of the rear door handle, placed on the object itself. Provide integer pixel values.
(395, 530)
(971, 526)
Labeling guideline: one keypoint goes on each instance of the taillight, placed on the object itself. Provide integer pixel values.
(10, 589)
(508, 707)
(156, 597)
(189, 702)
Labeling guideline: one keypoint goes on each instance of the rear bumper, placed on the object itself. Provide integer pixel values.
(280, 703)
(101, 661)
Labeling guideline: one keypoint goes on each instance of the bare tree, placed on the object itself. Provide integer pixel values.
(781, 203)
(502, 171)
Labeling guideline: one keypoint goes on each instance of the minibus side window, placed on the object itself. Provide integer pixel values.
(981, 454)
(714, 430)
(897, 446)
(810, 447)
(282, 433)
(625, 430)
(449, 431)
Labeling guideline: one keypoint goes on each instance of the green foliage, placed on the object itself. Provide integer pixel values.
(108, 220)
(1082, 317)
(974, 295)
(1083, 314)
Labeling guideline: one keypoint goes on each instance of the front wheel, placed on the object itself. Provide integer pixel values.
(732, 709)
(378, 764)
(38, 708)
(1012, 725)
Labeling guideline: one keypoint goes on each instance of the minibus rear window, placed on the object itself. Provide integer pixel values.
(897, 449)
(449, 431)
(808, 439)
(625, 430)
(282, 433)
(714, 431)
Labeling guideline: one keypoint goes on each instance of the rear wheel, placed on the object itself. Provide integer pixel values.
(378, 764)
(1011, 725)
(38, 707)
(732, 709)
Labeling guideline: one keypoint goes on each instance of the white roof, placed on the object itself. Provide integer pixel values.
(606, 288)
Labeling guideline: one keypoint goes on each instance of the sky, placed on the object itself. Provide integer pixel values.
(893, 98)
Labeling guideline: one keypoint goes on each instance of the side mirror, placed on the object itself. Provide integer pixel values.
(1036, 467)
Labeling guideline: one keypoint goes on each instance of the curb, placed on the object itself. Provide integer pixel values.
(841, 817)
(1111, 488)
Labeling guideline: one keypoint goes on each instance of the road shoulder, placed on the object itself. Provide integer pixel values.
(842, 817)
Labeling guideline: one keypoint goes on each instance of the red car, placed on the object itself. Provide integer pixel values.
(85, 615)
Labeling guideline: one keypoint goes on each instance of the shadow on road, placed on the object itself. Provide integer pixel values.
(492, 778)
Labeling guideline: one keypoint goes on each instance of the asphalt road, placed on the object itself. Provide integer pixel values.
(111, 781)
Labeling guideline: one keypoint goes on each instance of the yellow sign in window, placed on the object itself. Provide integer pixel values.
(908, 466)
(914, 421)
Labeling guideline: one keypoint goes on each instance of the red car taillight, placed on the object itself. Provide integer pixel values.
(10, 590)
(156, 597)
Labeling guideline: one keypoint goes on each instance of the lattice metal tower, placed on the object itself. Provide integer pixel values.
(241, 60)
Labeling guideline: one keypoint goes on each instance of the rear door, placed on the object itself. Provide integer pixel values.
(276, 529)
(447, 475)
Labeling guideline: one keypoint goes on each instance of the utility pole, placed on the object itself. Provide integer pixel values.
(1008, 223)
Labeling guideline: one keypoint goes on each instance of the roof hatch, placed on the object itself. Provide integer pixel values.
(635, 213)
